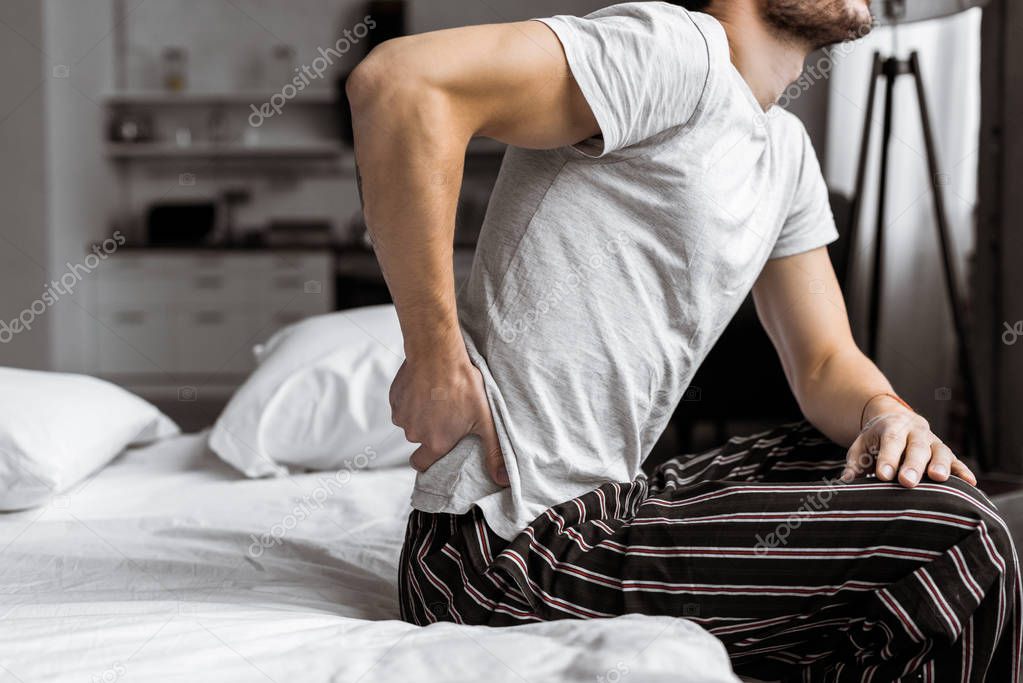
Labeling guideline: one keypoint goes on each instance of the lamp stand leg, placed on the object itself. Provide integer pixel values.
(890, 69)
(856, 206)
(948, 265)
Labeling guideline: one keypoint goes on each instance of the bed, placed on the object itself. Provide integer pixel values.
(169, 565)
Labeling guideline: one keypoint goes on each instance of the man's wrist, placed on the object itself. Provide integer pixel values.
(881, 404)
(440, 344)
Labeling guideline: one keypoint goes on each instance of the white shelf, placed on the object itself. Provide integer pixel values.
(186, 98)
(162, 150)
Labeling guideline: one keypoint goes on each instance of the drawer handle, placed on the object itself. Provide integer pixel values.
(210, 318)
(209, 282)
(130, 317)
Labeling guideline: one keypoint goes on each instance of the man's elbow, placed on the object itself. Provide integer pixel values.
(391, 94)
(386, 75)
(366, 81)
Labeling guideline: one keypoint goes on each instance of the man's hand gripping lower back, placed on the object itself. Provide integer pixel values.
(439, 399)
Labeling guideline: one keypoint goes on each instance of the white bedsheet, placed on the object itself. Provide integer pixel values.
(154, 571)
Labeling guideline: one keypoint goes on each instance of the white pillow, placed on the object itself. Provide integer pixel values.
(319, 398)
(56, 429)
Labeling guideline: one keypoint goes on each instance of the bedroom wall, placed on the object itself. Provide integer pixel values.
(23, 238)
(81, 184)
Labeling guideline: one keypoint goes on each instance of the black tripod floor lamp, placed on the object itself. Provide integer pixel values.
(893, 13)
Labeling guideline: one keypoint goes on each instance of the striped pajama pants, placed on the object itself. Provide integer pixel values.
(802, 577)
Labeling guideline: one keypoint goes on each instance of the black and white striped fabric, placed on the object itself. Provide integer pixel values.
(802, 577)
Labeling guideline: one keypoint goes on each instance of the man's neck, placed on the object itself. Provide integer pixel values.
(766, 60)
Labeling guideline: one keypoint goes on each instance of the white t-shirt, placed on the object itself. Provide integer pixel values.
(606, 271)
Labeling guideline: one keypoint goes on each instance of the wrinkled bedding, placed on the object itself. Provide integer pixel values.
(169, 566)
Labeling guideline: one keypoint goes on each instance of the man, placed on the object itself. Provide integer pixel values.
(648, 188)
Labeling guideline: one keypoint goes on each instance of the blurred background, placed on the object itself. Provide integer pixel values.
(177, 183)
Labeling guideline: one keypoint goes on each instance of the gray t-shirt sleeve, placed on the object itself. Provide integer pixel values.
(642, 67)
(810, 223)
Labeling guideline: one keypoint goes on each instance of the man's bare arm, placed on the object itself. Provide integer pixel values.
(416, 104)
(803, 311)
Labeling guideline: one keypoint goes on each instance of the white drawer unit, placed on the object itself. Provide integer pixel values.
(171, 317)
(134, 339)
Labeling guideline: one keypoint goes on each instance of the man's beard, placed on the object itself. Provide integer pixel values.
(817, 24)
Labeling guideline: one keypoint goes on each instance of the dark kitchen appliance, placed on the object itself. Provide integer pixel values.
(180, 223)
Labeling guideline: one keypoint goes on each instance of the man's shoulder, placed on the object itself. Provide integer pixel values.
(663, 18)
(643, 9)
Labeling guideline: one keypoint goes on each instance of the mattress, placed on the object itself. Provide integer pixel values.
(169, 566)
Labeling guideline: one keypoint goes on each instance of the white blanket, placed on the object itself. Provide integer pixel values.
(167, 566)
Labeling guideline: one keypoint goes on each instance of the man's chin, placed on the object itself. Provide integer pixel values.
(863, 25)
(858, 24)
(864, 19)
(820, 24)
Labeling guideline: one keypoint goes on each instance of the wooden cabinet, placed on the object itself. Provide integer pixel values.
(169, 317)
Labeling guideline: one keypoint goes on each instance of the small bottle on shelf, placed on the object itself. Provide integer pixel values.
(175, 69)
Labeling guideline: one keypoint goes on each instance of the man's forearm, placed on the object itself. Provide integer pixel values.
(410, 159)
(410, 147)
(835, 397)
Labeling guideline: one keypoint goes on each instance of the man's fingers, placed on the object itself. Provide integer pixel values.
(423, 458)
(495, 459)
(918, 454)
(941, 462)
(960, 470)
(487, 433)
(893, 444)
(857, 459)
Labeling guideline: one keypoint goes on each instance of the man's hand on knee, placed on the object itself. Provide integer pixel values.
(438, 402)
(902, 445)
